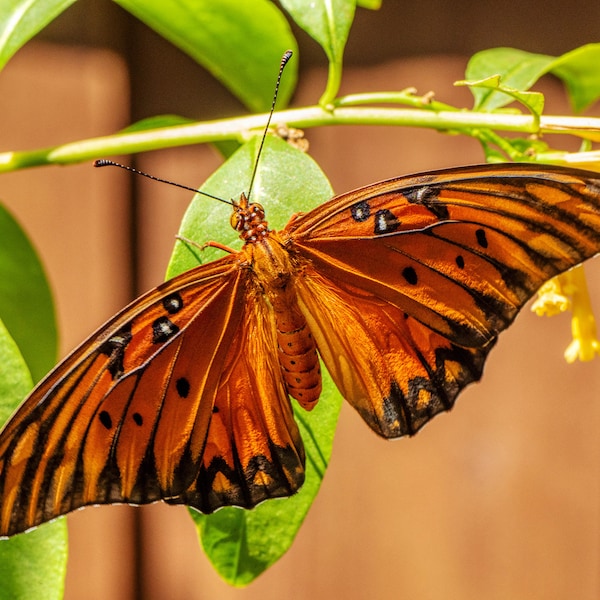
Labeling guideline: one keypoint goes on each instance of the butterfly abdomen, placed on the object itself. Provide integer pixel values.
(298, 358)
(297, 351)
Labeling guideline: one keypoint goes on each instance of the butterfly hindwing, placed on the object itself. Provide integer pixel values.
(253, 449)
(397, 372)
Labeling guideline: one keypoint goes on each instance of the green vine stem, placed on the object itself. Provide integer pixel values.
(240, 128)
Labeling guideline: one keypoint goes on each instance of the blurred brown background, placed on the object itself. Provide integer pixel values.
(498, 499)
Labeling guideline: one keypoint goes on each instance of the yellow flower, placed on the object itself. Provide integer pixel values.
(569, 292)
(551, 299)
(585, 344)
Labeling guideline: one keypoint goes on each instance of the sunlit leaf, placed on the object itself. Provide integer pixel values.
(26, 305)
(579, 69)
(520, 70)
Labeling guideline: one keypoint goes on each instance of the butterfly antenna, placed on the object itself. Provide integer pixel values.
(103, 162)
(284, 60)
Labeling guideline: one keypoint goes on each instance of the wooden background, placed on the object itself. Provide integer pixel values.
(498, 499)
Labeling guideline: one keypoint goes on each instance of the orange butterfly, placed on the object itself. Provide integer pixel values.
(401, 287)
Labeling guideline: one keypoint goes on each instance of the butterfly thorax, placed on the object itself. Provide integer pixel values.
(274, 272)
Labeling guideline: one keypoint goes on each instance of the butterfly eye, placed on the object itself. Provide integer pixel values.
(236, 220)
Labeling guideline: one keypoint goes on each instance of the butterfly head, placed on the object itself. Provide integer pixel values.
(248, 219)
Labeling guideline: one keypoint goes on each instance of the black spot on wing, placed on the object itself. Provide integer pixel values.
(481, 238)
(385, 222)
(163, 329)
(410, 275)
(105, 419)
(173, 303)
(182, 385)
(361, 211)
(460, 262)
(428, 196)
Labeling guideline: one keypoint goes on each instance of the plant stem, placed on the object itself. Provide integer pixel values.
(241, 128)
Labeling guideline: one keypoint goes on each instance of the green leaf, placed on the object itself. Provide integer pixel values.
(579, 71)
(370, 4)
(533, 101)
(26, 305)
(520, 70)
(328, 22)
(240, 43)
(15, 379)
(20, 20)
(32, 565)
(241, 544)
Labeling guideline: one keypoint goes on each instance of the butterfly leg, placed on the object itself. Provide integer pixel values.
(206, 245)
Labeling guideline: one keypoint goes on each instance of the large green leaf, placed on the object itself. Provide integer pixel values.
(242, 543)
(20, 20)
(287, 181)
(26, 305)
(240, 43)
(32, 565)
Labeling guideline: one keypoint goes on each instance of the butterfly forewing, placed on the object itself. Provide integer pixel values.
(124, 418)
(460, 251)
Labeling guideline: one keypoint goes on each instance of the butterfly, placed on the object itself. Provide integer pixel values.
(400, 287)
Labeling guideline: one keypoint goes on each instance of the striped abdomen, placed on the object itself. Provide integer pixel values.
(297, 350)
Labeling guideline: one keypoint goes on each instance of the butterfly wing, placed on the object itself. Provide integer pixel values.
(427, 271)
(253, 450)
(126, 417)
(397, 372)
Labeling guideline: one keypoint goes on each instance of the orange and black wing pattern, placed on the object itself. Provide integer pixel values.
(129, 416)
(184, 395)
(408, 282)
(253, 449)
